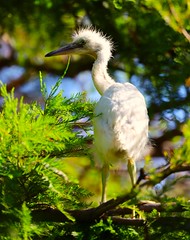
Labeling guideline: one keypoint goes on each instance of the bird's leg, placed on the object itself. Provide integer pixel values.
(132, 172)
(105, 175)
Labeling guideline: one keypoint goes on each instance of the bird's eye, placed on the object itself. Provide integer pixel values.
(81, 43)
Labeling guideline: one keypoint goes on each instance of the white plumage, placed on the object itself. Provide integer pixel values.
(121, 120)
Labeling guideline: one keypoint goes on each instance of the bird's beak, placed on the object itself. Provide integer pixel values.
(66, 50)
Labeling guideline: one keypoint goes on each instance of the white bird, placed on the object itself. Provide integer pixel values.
(121, 120)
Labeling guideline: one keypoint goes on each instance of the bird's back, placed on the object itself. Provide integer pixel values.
(121, 124)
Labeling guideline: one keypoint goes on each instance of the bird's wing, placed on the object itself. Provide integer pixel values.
(121, 122)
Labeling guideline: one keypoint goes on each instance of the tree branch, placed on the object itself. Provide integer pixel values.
(109, 208)
(92, 214)
(163, 173)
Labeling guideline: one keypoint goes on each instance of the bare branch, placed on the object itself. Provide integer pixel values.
(163, 173)
(92, 214)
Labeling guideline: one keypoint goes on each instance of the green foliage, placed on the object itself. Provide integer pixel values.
(27, 228)
(152, 44)
(175, 13)
(107, 230)
(34, 142)
(101, 230)
(181, 153)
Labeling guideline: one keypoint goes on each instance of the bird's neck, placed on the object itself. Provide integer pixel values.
(100, 76)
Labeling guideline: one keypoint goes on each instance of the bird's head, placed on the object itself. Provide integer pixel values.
(86, 41)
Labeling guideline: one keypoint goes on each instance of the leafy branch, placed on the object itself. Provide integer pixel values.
(110, 208)
(34, 184)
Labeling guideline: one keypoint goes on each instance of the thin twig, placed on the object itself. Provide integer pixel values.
(163, 173)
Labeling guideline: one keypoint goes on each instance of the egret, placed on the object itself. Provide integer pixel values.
(121, 119)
